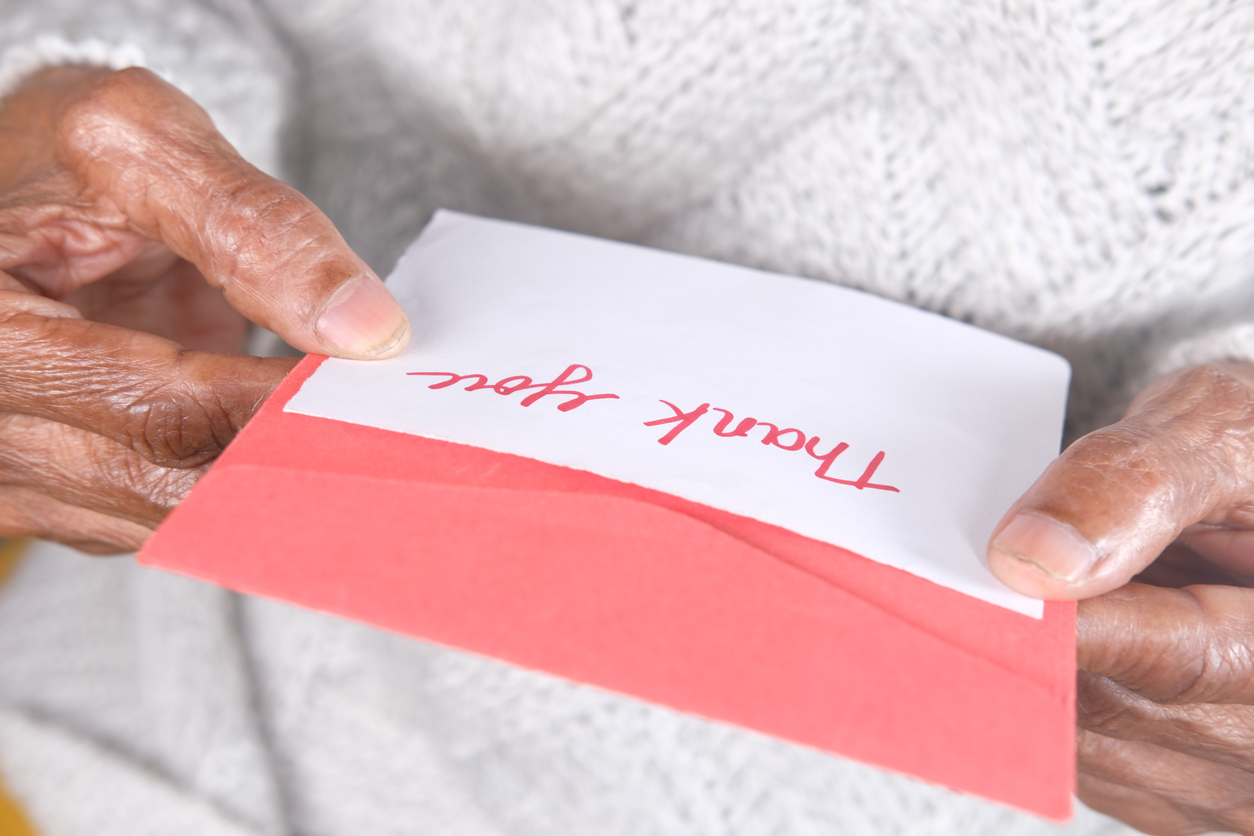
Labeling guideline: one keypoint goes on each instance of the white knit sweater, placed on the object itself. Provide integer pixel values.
(1074, 173)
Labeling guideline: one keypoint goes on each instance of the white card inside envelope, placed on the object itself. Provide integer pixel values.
(892, 432)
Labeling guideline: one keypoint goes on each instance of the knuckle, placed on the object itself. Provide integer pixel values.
(1184, 445)
(1223, 662)
(1106, 708)
(254, 209)
(108, 104)
(1164, 656)
(1117, 475)
(263, 221)
(1109, 720)
(1218, 404)
(1207, 411)
(137, 139)
(129, 98)
(171, 412)
(1211, 382)
(265, 229)
(175, 429)
(190, 415)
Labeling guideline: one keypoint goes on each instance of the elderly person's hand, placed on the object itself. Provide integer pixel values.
(132, 238)
(1166, 683)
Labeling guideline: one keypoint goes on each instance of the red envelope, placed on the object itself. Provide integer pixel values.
(639, 592)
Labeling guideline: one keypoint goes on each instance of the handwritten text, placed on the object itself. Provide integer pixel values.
(790, 439)
(522, 383)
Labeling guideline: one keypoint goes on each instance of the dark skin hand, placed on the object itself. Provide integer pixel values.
(1151, 523)
(134, 242)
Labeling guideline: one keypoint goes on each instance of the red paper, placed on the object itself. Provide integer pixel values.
(639, 592)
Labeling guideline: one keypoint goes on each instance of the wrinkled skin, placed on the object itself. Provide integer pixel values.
(1162, 504)
(134, 241)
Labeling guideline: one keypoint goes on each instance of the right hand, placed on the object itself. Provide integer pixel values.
(134, 241)
(1164, 497)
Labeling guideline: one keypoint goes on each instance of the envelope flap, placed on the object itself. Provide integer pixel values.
(632, 597)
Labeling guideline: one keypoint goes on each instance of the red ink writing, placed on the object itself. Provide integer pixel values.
(573, 375)
(790, 439)
(863, 481)
(774, 435)
(742, 428)
(682, 421)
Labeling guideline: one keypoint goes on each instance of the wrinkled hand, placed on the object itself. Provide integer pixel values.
(1166, 682)
(1166, 708)
(132, 239)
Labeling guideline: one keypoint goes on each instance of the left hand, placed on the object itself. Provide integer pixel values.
(133, 242)
(1166, 682)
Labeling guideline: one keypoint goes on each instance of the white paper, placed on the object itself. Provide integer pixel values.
(966, 420)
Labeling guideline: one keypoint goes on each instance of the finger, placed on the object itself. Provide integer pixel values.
(1116, 498)
(1219, 733)
(90, 471)
(176, 303)
(17, 297)
(1187, 645)
(27, 513)
(281, 262)
(174, 407)
(1183, 564)
(156, 291)
(1228, 547)
(1183, 794)
(21, 301)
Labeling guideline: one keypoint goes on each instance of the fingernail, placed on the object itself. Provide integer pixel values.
(362, 320)
(1052, 546)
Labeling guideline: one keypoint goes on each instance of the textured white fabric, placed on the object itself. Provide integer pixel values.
(95, 791)
(1074, 173)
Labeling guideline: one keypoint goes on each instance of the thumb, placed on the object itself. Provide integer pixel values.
(1110, 504)
(153, 152)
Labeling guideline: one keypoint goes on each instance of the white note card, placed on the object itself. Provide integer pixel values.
(891, 432)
